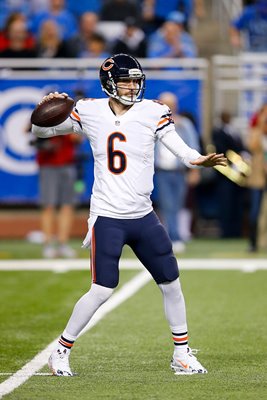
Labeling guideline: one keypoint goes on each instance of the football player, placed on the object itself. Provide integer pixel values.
(122, 130)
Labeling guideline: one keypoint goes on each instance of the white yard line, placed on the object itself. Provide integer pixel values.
(36, 374)
(40, 360)
(61, 265)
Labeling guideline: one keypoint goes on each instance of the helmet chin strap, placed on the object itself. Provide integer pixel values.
(122, 99)
(127, 100)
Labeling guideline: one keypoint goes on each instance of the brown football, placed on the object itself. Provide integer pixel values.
(52, 112)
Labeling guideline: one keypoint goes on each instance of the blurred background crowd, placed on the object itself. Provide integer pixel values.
(143, 28)
(63, 28)
(228, 204)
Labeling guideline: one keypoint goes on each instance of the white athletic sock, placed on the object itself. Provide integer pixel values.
(64, 344)
(84, 309)
(180, 340)
(174, 307)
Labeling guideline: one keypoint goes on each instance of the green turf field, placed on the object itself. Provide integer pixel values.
(126, 356)
(197, 248)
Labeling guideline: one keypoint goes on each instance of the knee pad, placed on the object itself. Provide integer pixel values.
(170, 287)
(102, 293)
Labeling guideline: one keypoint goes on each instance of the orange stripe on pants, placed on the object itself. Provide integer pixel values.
(93, 273)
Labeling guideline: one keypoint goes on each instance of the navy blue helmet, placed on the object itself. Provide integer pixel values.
(118, 68)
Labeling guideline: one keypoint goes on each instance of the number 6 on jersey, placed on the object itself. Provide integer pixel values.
(117, 161)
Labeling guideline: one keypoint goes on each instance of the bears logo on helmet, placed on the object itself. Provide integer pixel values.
(108, 64)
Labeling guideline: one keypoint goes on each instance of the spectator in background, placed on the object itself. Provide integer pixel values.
(171, 40)
(155, 12)
(96, 47)
(248, 2)
(57, 11)
(37, 6)
(57, 173)
(50, 44)
(119, 10)
(171, 174)
(19, 44)
(132, 41)
(262, 229)
(230, 196)
(249, 31)
(29, 41)
(257, 181)
(79, 8)
(8, 7)
(188, 214)
(87, 27)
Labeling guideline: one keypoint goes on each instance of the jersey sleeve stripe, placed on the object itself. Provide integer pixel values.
(168, 122)
(73, 119)
(162, 121)
(166, 115)
(75, 116)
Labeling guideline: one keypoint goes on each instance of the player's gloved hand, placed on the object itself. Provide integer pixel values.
(52, 96)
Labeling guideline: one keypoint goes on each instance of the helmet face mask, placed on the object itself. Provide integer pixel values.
(119, 69)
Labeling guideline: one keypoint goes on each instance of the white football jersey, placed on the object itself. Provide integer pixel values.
(123, 149)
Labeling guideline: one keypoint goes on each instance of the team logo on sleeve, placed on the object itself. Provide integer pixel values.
(165, 121)
(108, 64)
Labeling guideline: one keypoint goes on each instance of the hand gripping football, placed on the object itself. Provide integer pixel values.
(52, 112)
